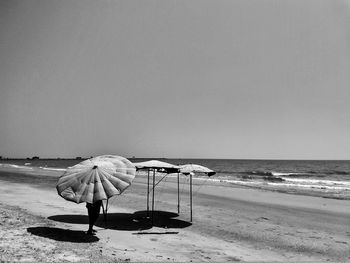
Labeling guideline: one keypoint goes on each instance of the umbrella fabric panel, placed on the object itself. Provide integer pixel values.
(121, 164)
(124, 177)
(99, 192)
(113, 184)
(109, 188)
(78, 197)
(117, 183)
(87, 195)
(72, 181)
(84, 193)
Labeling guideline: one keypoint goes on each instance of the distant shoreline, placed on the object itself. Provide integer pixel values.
(176, 158)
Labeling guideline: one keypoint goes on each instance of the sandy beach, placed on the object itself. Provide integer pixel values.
(229, 224)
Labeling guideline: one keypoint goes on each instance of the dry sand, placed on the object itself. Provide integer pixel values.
(229, 224)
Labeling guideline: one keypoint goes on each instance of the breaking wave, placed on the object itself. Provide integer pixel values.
(16, 166)
(53, 169)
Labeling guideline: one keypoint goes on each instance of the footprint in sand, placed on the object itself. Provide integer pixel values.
(341, 242)
(232, 259)
(315, 237)
(262, 218)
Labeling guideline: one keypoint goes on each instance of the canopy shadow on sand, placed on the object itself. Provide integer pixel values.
(60, 234)
(127, 221)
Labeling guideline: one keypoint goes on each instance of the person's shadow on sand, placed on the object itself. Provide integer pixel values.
(65, 235)
(128, 222)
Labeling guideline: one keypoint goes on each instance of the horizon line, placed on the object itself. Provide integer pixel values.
(160, 158)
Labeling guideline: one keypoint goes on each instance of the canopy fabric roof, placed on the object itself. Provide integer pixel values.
(157, 165)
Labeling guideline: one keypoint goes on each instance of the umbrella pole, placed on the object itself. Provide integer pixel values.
(178, 193)
(154, 175)
(147, 192)
(104, 213)
(191, 195)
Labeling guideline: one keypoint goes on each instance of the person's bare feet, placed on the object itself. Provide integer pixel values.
(91, 232)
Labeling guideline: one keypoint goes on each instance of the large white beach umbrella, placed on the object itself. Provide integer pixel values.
(96, 179)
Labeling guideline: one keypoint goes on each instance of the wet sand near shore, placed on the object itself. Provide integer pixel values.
(229, 224)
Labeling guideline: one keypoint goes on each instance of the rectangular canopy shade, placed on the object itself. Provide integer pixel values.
(157, 165)
(160, 166)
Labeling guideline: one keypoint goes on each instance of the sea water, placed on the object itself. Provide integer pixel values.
(326, 178)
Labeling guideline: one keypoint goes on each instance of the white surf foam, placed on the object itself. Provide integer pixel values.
(318, 182)
(283, 174)
(53, 169)
(21, 167)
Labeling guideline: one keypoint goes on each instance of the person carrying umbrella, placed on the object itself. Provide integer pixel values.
(94, 180)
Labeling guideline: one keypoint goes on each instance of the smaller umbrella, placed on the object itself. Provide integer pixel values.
(190, 169)
(196, 168)
(157, 165)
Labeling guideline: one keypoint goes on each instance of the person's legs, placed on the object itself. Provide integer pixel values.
(90, 209)
(94, 212)
(97, 209)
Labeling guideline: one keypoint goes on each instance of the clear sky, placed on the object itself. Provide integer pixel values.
(184, 78)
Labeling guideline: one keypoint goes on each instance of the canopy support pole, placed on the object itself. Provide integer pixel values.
(178, 193)
(154, 175)
(147, 192)
(191, 195)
